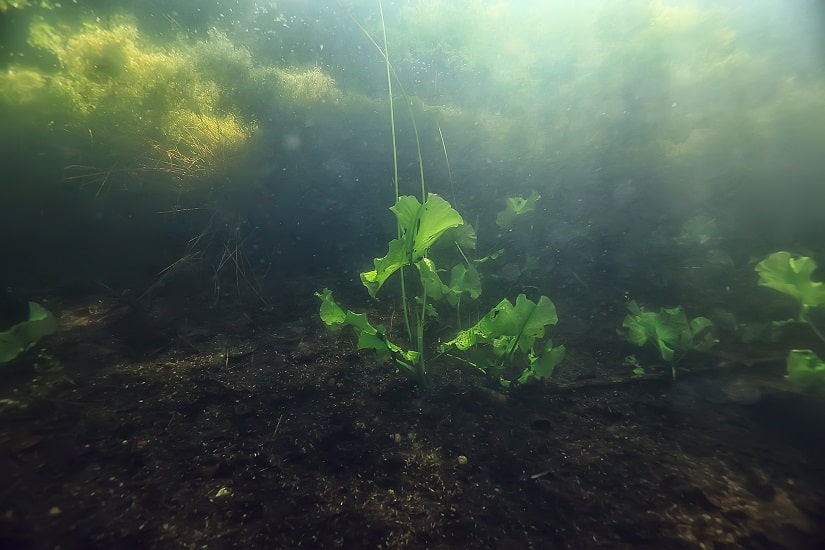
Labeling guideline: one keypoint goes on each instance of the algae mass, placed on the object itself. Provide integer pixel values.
(153, 107)
(172, 107)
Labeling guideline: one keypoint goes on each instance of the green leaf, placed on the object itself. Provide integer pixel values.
(395, 259)
(543, 364)
(369, 337)
(464, 340)
(640, 325)
(523, 322)
(698, 230)
(791, 275)
(483, 331)
(360, 323)
(508, 328)
(530, 319)
(430, 280)
(463, 280)
(806, 370)
(667, 352)
(331, 313)
(421, 225)
(464, 236)
(698, 324)
(516, 206)
(23, 336)
(668, 329)
(375, 338)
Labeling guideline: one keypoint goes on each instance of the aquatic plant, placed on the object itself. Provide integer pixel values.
(508, 330)
(806, 370)
(420, 224)
(20, 86)
(698, 230)
(791, 275)
(187, 109)
(516, 206)
(408, 249)
(24, 335)
(669, 330)
(304, 88)
(144, 103)
(369, 336)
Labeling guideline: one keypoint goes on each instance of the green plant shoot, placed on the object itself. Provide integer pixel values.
(369, 337)
(509, 329)
(420, 225)
(669, 330)
(516, 206)
(463, 280)
(806, 370)
(23, 336)
(791, 275)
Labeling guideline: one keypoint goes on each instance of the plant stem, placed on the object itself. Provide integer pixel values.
(449, 170)
(422, 367)
(391, 71)
(466, 361)
(386, 54)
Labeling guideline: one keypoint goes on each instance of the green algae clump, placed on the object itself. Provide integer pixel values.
(144, 104)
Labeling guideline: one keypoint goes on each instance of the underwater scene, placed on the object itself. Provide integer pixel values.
(412, 274)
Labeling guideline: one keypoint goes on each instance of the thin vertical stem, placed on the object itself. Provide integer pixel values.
(449, 170)
(386, 53)
(392, 108)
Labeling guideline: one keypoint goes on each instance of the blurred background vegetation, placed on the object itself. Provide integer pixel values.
(674, 143)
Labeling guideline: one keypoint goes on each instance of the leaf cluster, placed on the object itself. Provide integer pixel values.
(791, 275)
(420, 226)
(806, 370)
(669, 330)
(369, 336)
(515, 207)
(509, 329)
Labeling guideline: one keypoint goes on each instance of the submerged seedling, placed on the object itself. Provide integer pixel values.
(806, 370)
(22, 336)
(669, 330)
(421, 224)
(791, 275)
(420, 227)
(516, 206)
(509, 330)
